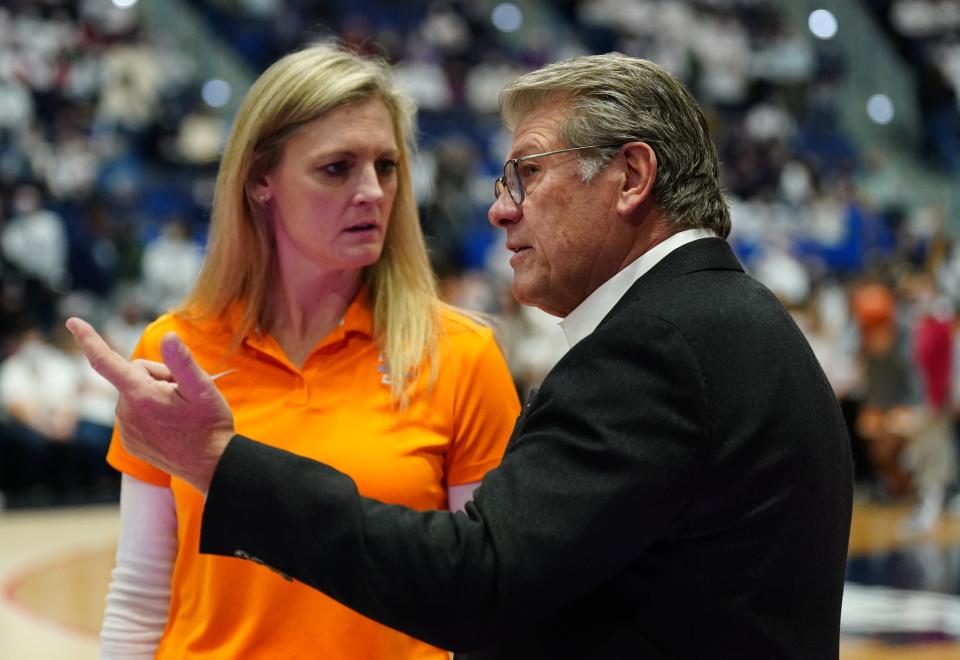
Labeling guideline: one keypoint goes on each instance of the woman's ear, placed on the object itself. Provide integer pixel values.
(640, 175)
(260, 187)
(260, 190)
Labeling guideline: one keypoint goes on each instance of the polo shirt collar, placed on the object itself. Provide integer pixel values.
(587, 316)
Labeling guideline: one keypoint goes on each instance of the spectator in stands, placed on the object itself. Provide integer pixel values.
(96, 405)
(35, 239)
(886, 417)
(39, 386)
(171, 263)
(931, 456)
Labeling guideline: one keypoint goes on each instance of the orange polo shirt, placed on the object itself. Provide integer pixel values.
(336, 409)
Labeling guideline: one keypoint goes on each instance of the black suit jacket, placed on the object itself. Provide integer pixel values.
(679, 487)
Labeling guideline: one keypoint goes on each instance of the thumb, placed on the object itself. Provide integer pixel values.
(192, 381)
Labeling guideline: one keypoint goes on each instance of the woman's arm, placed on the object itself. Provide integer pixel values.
(139, 594)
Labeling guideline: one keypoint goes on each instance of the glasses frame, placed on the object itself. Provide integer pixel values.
(500, 184)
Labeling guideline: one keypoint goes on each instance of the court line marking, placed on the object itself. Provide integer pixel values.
(22, 573)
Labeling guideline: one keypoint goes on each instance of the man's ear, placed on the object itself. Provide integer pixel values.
(640, 175)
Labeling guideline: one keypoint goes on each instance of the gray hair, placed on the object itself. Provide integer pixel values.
(615, 99)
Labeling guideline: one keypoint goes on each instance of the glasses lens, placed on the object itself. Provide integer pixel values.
(514, 185)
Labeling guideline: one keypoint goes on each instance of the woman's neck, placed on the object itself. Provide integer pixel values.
(305, 304)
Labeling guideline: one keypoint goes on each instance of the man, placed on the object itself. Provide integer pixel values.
(679, 487)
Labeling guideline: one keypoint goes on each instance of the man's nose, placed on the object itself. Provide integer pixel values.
(504, 210)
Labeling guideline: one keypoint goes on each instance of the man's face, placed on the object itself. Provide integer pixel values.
(564, 234)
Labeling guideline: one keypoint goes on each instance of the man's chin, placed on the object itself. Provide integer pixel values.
(529, 298)
(520, 293)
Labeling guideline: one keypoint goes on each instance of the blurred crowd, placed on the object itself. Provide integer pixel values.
(108, 153)
(927, 35)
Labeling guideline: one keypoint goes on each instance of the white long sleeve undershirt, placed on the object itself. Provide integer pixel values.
(139, 595)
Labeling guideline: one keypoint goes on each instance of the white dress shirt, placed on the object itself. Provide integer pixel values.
(587, 316)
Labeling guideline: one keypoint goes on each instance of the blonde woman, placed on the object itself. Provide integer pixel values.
(317, 305)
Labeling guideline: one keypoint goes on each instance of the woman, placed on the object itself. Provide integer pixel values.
(317, 305)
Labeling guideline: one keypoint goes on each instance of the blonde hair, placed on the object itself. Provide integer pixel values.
(292, 92)
(615, 99)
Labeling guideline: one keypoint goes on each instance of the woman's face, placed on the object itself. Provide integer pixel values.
(331, 194)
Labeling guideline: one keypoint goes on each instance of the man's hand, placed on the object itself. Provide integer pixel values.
(170, 415)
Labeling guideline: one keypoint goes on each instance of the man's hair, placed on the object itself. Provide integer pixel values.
(614, 99)
(297, 89)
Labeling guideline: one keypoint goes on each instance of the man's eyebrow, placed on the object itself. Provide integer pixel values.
(525, 149)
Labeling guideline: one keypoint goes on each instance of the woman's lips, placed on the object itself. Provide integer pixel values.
(363, 227)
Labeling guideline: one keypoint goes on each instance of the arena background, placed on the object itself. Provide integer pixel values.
(838, 126)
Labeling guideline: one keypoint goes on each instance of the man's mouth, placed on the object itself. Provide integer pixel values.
(518, 253)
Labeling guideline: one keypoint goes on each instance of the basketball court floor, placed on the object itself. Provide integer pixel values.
(902, 599)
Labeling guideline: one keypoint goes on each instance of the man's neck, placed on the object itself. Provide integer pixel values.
(581, 321)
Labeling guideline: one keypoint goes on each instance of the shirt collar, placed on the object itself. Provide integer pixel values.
(587, 316)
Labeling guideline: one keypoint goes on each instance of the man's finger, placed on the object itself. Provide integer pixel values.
(157, 370)
(192, 381)
(102, 358)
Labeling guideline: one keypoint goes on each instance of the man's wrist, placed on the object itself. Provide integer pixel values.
(216, 448)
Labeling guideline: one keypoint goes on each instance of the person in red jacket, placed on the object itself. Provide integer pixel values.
(931, 457)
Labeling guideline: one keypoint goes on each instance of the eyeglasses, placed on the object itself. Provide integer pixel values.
(512, 180)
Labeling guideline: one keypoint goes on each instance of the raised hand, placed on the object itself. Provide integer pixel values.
(170, 415)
